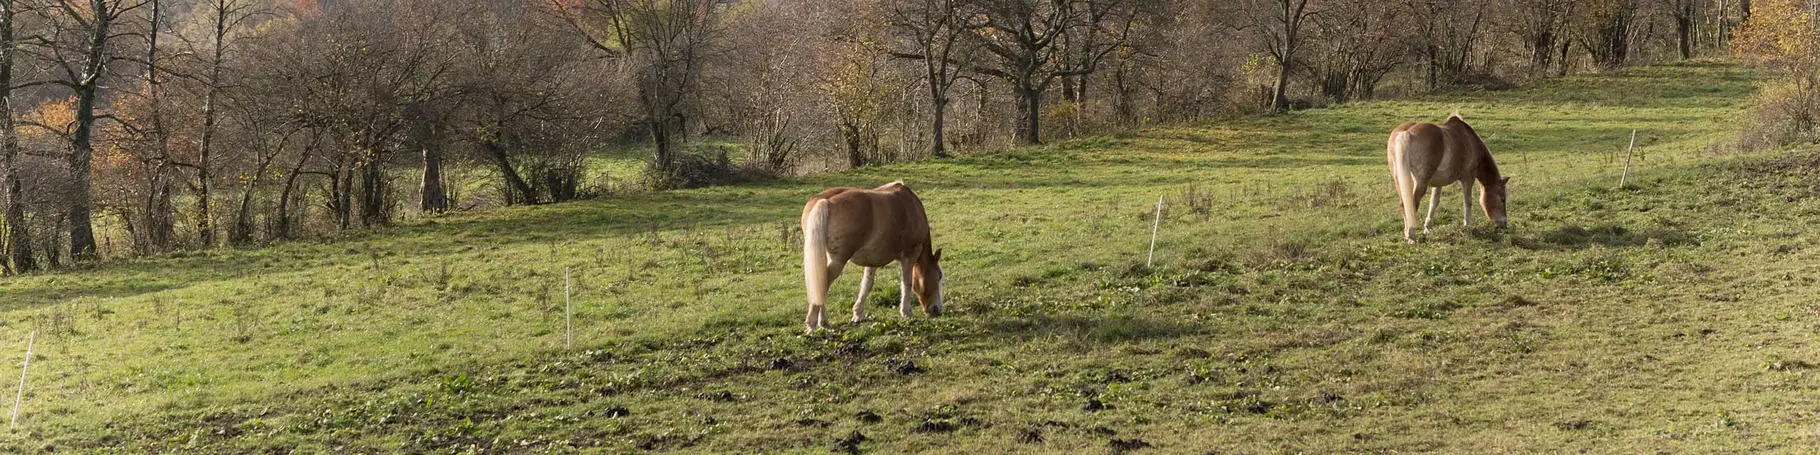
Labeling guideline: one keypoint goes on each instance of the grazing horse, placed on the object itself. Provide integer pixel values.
(1426, 155)
(870, 228)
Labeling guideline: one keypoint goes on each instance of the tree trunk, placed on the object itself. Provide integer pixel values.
(1684, 29)
(157, 225)
(856, 153)
(1542, 49)
(18, 235)
(1279, 98)
(211, 114)
(434, 198)
(341, 197)
(514, 182)
(1080, 89)
(1030, 114)
(938, 139)
(373, 210)
(81, 223)
(18, 241)
(1432, 53)
(283, 228)
(664, 139)
(1566, 46)
(157, 228)
(54, 243)
(243, 218)
(82, 148)
(1126, 109)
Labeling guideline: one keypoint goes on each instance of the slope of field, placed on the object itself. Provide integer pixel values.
(1283, 313)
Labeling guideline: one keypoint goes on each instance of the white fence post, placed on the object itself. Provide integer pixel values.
(20, 398)
(1154, 226)
(568, 327)
(1627, 155)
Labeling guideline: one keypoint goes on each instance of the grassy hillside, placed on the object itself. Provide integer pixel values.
(1284, 314)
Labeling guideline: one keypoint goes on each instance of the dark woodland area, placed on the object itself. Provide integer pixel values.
(145, 126)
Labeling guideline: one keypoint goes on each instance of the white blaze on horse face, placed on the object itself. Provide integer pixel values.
(1495, 202)
(941, 284)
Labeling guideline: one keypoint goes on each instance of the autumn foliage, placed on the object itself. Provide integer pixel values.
(1781, 35)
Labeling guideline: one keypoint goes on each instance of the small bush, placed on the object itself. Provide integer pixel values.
(1782, 114)
(704, 168)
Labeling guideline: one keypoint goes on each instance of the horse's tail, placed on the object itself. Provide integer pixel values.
(815, 252)
(1399, 164)
(1406, 182)
(1399, 149)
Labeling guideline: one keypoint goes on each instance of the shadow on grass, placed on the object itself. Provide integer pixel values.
(1574, 237)
(1105, 330)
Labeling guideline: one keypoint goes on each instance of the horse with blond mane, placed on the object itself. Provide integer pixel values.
(871, 228)
(1426, 155)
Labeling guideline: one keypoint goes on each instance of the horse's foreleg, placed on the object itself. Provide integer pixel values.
(903, 285)
(1465, 202)
(865, 288)
(1432, 202)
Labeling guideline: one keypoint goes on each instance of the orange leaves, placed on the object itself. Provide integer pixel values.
(58, 115)
(1781, 33)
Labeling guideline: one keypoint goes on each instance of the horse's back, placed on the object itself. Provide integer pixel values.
(872, 226)
(1438, 153)
(1423, 151)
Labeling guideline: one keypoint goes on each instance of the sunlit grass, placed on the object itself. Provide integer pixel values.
(1284, 314)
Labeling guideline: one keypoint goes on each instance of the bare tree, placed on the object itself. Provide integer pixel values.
(1685, 12)
(17, 244)
(526, 106)
(664, 43)
(1540, 27)
(79, 48)
(1608, 25)
(934, 32)
(1449, 36)
(1279, 25)
(224, 17)
(1354, 47)
(1024, 37)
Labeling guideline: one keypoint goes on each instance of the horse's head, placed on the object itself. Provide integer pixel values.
(1494, 198)
(927, 281)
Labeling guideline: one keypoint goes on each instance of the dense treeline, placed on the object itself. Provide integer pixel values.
(140, 126)
(1785, 38)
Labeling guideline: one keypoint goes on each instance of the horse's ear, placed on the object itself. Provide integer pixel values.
(938, 254)
(1505, 181)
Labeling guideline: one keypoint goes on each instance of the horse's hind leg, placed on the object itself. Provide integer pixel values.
(1409, 199)
(865, 288)
(1432, 202)
(835, 265)
(818, 296)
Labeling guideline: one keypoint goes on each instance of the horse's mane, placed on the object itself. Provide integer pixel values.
(1488, 171)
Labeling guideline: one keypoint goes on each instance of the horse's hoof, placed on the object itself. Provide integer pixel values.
(857, 319)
